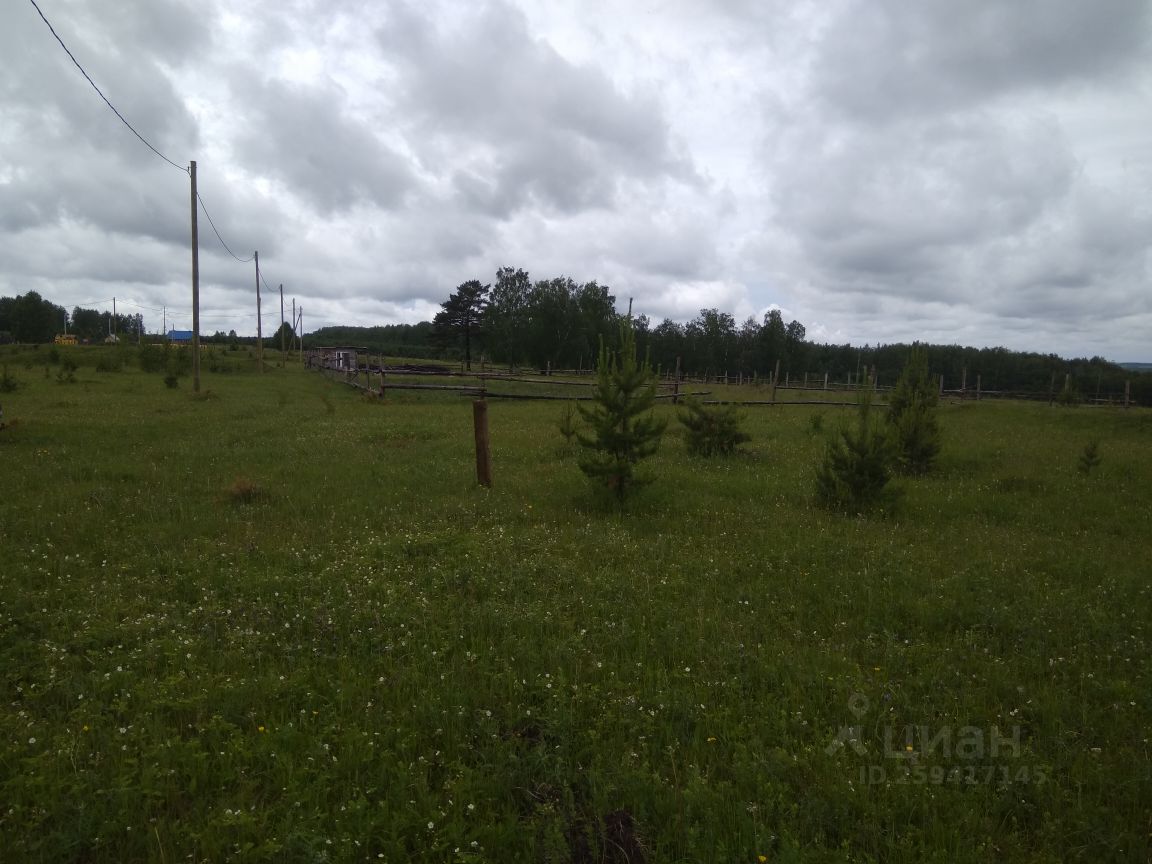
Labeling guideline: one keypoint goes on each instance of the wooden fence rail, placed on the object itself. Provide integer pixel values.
(667, 381)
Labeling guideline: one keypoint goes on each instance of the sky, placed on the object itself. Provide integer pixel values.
(965, 173)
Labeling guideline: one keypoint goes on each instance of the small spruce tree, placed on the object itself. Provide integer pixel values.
(1089, 458)
(712, 430)
(623, 429)
(912, 418)
(567, 424)
(857, 466)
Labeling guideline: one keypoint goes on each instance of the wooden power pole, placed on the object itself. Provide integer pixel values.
(281, 323)
(259, 327)
(195, 288)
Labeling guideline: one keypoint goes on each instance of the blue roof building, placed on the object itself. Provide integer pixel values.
(179, 335)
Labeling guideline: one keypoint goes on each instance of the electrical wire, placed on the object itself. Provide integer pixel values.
(147, 144)
(217, 233)
(101, 93)
(140, 306)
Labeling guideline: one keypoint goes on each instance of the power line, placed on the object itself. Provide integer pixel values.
(138, 305)
(101, 94)
(217, 233)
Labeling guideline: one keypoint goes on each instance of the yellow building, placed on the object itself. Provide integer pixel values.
(65, 339)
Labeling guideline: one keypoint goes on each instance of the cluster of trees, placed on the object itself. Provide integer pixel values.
(622, 430)
(561, 323)
(556, 322)
(32, 319)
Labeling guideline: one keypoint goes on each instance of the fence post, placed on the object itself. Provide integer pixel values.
(825, 380)
(676, 385)
(483, 456)
(1127, 391)
(978, 388)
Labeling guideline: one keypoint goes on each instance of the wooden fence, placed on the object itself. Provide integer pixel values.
(363, 364)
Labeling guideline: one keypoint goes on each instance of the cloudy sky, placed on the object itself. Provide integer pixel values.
(973, 172)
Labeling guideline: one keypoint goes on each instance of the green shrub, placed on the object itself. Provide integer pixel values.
(854, 476)
(624, 431)
(113, 362)
(712, 430)
(152, 357)
(8, 384)
(67, 372)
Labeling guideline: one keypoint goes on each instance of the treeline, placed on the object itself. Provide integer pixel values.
(31, 319)
(559, 322)
(412, 341)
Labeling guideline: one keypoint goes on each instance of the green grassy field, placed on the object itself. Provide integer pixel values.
(281, 622)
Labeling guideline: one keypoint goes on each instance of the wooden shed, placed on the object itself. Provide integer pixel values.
(340, 358)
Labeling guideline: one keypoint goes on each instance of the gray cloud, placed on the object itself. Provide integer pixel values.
(965, 172)
(873, 204)
(304, 138)
(544, 130)
(884, 60)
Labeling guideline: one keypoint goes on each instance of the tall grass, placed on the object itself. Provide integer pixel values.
(374, 659)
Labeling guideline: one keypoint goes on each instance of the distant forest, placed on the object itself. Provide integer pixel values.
(559, 322)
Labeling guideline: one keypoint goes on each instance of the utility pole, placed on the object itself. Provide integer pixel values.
(259, 327)
(195, 289)
(112, 324)
(281, 323)
(165, 329)
(293, 322)
(300, 330)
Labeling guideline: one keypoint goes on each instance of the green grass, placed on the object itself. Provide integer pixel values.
(281, 622)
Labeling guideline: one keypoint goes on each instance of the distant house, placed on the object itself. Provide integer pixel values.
(181, 336)
(64, 339)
